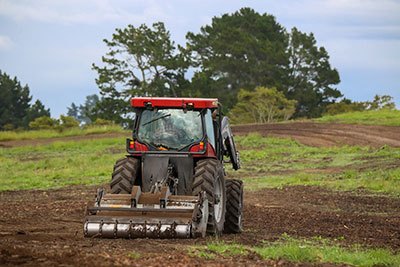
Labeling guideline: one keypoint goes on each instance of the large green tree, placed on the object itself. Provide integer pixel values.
(140, 61)
(310, 77)
(240, 50)
(247, 49)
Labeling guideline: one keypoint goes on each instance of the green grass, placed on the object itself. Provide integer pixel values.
(319, 250)
(42, 134)
(267, 162)
(59, 164)
(313, 250)
(278, 162)
(372, 117)
(218, 248)
(134, 255)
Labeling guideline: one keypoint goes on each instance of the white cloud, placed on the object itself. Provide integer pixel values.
(346, 18)
(357, 9)
(5, 42)
(76, 11)
(374, 55)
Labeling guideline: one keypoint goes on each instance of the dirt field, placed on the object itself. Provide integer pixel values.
(34, 228)
(45, 227)
(323, 134)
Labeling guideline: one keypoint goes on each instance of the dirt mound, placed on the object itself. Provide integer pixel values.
(323, 134)
(45, 227)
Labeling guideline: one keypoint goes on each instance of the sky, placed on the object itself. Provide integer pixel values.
(51, 44)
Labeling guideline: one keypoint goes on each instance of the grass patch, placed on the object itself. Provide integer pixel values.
(370, 117)
(314, 250)
(278, 162)
(319, 250)
(59, 164)
(217, 249)
(42, 134)
(134, 255)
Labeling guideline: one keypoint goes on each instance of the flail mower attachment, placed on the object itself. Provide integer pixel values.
(147, 215)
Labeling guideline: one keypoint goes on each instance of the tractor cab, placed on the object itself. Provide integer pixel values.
(181, 125)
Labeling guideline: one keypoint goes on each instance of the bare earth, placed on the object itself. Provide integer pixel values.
(324, 134)
(44, 227)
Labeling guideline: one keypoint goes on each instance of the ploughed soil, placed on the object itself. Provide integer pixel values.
(45, 227)
(327, 134)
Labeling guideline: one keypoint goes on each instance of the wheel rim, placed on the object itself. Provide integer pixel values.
(218, 200)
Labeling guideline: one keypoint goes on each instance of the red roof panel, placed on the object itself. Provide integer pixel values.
(172, 102)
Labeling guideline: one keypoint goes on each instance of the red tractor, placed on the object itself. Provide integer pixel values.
(172, 182)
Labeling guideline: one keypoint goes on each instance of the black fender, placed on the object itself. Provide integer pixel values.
(229, 146)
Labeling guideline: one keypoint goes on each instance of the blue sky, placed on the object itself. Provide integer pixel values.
(50, 45)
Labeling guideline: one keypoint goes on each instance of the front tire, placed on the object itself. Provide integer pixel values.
(124, 175)
(209, 177)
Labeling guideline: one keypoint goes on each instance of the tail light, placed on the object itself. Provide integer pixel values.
(197, 147)
(133, 146)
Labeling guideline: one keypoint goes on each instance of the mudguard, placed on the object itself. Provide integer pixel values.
(229, 144)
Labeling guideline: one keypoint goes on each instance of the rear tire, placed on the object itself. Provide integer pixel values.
(209, 177)
(234, 206)
(124, 175)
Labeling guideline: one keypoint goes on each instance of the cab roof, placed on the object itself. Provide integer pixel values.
(174, 102)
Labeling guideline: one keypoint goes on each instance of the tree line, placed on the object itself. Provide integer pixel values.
(18, 112)
(16, 109)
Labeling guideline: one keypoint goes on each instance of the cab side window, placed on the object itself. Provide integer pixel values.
(210, 128)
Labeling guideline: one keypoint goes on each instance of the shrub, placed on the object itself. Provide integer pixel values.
(102, 122)
(262, 105)
(43, 122)
(346, 105)
(8, 127)
(68, 122)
